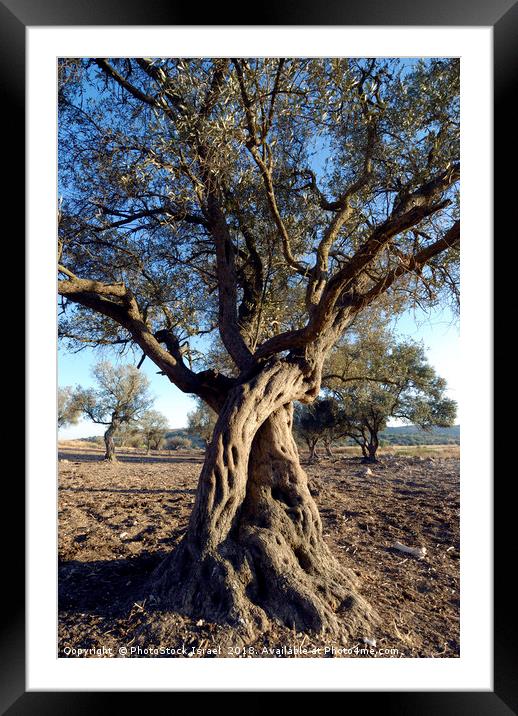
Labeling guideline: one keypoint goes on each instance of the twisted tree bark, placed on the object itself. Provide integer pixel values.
(109, 442)
(371, 447)
(254, 548)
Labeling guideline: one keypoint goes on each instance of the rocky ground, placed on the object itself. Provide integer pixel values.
(116, 521)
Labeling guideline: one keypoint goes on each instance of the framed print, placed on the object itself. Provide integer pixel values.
(250, 218)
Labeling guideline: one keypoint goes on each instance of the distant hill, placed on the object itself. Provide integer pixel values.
(413, 435)
(176, 432)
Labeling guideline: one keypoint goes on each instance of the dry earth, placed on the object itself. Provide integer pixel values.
(116, 521)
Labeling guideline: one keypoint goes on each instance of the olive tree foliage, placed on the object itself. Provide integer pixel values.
(377, 378)
(128, 435)
(120, 397)
(68, 410)
(153, 426)
(257, 206)
(319, 421)
(178, 442)
(202, 421)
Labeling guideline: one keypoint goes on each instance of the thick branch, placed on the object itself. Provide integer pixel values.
(325, 315)
(227, 285)
(117, 302)
(325, 311)
(318, 276)
(410, 264)
(112, 72)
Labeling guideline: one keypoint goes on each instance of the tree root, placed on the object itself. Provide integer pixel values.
(247, 587)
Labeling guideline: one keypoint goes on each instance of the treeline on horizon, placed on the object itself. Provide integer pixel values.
(398, 435)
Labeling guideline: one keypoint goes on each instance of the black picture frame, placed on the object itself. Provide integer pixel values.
(502, 16)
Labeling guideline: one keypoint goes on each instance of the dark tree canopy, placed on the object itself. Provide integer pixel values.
(231, 218)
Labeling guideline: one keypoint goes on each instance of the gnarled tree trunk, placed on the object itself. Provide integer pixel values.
(254, 548)
(313, 455)
(372, 448)
(329, 451)
(109, 442)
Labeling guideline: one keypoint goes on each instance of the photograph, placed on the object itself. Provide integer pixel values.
(259, 367)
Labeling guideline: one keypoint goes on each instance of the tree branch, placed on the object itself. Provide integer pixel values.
(324, 314)
(425, 203)
(112, 72)
(97, 296)
(189, 218)
(412, 263)
(352, 379)
(266, 168)
(318, 276)
(227, 285)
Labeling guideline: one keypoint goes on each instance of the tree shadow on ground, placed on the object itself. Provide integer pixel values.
(107, 588)
(122, 457)
(129, 490)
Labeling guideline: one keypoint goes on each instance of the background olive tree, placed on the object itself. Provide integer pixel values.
(69, 411)
(178, 442)
(121, 397)
(201, 421)
(128, 435)
(253, 207)
(152, 425)
(320, 421)
(377, 378)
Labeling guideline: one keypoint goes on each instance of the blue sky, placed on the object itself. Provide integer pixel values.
(438, 332)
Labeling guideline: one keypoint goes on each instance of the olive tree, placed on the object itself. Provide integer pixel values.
(178, 442)
(121, 397)
(153, 427)
(69, 411)
(257, 205)
(202, 421)
(128, 435)
(379, 378)
(318, 421)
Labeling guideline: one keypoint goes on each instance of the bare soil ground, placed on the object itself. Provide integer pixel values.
(117, 521)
